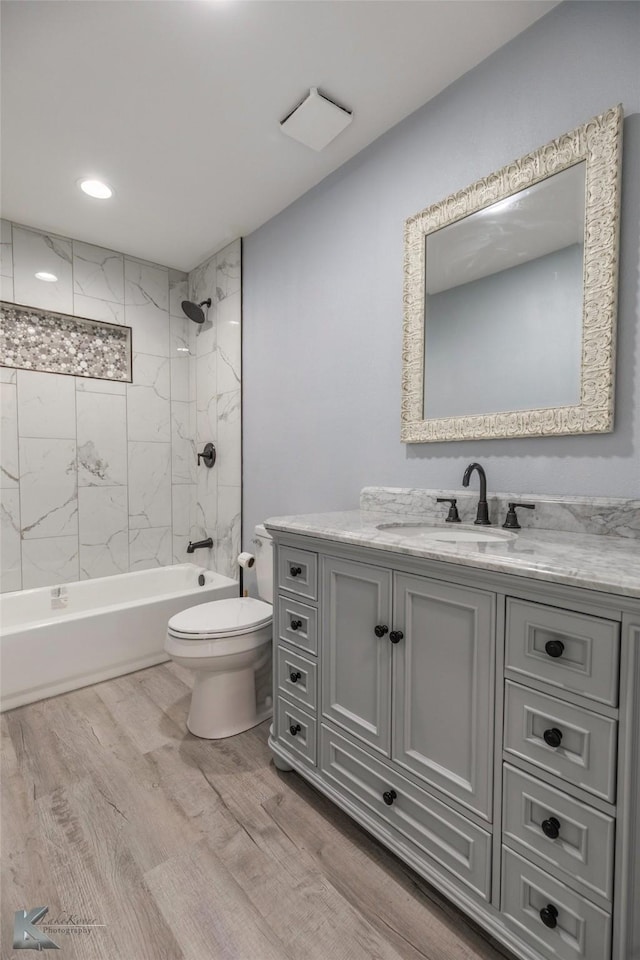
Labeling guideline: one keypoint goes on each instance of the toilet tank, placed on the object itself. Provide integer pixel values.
(263, 549)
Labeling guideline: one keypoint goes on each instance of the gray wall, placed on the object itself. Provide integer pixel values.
(509, 341)
(322, 285)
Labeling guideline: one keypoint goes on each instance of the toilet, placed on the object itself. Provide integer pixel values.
(227, 644)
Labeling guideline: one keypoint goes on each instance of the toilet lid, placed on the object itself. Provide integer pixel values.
(221, 618)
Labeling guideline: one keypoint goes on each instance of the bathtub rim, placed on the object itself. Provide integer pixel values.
(64, 616)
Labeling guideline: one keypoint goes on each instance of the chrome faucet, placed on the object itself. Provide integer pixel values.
(200, 544)
(482, 515)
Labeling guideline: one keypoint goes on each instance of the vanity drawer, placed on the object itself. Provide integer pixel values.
(297, 677)
(582, 931)
(297, 730)
(298, 624)
(577, 842)
(569, 650)
(585, 755)
(444, 837)
(298, 572)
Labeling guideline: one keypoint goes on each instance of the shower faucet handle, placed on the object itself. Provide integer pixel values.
(208, 455)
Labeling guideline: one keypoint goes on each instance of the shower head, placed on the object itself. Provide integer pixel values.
(194, 310)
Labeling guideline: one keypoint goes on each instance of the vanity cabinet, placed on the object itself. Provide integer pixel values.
(482, 726)
(427, 649)
(356, 661)
(443, 693)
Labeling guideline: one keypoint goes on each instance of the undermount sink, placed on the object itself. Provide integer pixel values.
(451, 534)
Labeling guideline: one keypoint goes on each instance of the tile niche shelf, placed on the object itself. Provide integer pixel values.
(35, 339)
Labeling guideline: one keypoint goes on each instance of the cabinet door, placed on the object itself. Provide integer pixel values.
(444, 687)
(356, 664)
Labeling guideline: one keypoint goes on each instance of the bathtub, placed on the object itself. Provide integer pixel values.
(54, 639)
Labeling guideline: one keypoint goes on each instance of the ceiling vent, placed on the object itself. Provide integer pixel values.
(316, 121)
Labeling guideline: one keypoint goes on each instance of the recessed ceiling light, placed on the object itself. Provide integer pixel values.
(96, 189)
(47, 277)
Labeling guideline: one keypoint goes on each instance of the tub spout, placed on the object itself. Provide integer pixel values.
(200, 544)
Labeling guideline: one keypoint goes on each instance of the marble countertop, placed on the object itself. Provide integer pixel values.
(607, 563)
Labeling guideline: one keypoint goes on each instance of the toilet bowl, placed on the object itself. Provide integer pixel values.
(227, 645)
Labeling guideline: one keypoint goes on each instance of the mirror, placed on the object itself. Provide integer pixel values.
(510, 297)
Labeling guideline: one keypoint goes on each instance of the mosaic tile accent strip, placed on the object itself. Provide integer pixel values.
(35, 339)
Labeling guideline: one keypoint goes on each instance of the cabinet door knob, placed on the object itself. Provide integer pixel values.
(389, 796)
(396, 636)
(553, 737)
(294, 728)
(296, 624)
(295, 571)
(554, 648)
(549, 916)
(294, 676)
(551, 828)
(380, 630)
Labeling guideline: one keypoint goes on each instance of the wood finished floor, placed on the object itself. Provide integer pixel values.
(195, 850)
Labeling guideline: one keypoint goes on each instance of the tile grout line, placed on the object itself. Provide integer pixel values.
(126, 410)
(13, 270)
(171, 443)
(75, 406)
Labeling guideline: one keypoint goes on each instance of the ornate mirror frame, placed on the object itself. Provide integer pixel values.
(599, 143)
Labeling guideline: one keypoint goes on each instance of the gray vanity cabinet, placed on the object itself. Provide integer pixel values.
(421, 691)
(443, 693)
(482, 726)
(356, 664)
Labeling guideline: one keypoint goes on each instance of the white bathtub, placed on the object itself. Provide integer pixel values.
(95, 630)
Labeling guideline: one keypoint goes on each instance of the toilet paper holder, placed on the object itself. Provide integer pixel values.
(208, 455)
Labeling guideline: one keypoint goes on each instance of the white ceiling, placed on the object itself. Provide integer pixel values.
(176, 103)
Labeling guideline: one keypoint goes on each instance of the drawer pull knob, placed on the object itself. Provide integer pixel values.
(554, 648)
(294, 728)
(553, 737)
(380, 630)
(389, 796)
(294, 676)
(295, 571)
(551, 828)
(396, 636)
(296, 624)
(549, 916)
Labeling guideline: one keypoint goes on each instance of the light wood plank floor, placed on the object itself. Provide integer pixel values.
(194, 850)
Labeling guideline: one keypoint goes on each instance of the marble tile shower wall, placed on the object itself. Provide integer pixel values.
(218, 493)
(96, 476)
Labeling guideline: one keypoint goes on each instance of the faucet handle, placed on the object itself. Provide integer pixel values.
(208, 455)
(453, 516)
(511, 522)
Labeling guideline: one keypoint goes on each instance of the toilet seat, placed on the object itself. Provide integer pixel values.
(220, 619)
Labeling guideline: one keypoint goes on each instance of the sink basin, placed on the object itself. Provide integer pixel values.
(451, 534)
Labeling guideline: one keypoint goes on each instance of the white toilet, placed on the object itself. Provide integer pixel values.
(227, 643)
